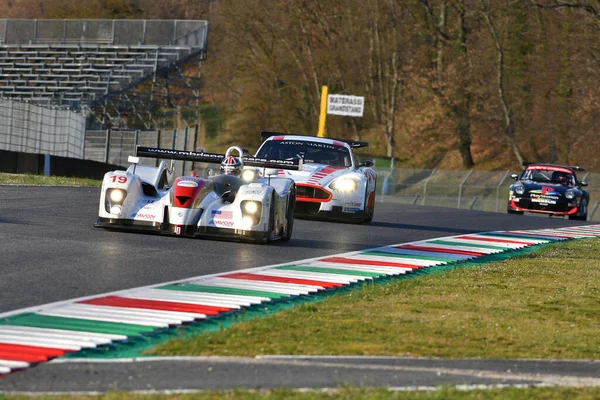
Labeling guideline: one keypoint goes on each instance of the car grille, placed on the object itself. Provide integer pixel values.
(561, 206)
(311, 193)
(306, 208)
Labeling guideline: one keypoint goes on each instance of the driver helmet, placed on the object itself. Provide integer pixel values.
(231, 166)
(561, 178)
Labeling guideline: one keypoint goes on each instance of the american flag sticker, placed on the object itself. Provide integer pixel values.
(217, 214)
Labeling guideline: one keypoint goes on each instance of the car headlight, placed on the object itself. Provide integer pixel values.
(117, 195)
(113, 202)
(251, 207)
(249, 175)
(519, 189)
(344, 185)
(251, 213)
(569, 194)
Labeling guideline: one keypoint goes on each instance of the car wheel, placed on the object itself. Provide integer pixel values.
(369, 210)
(270, 223)
(290, 215)
(582, 212)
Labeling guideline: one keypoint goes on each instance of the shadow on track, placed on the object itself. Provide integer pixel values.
(395, 225)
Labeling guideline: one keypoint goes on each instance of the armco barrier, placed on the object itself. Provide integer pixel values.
(26, 163)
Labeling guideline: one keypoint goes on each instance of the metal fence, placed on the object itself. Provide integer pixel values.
(28, 128)
(470, 189)
(97, 31)
(114, 146)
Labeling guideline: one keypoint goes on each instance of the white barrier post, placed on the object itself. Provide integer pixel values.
(498, 190)
(460, 186)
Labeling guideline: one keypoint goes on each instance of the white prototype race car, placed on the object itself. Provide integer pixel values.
(257, 208)
(331, 183)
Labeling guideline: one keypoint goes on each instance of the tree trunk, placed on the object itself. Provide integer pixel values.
(509, 128)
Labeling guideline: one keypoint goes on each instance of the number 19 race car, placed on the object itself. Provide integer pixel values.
(549, 189)
(331, 183)
(258, 209)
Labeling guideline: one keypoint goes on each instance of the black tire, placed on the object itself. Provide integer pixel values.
(582, 210)
(290, 216)
(369, 211)
(271, 224)
(514, 212)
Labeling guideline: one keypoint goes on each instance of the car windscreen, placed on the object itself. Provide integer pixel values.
(311, 152)
(549, 176)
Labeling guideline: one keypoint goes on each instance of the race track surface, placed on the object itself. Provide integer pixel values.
(50, 252)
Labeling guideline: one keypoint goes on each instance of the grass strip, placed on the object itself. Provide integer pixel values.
(29, 179)
(344, 393)
(542, 304)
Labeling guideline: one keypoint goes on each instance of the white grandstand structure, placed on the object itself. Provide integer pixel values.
(109, 67)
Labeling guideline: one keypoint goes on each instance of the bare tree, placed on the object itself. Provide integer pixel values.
(509, 126)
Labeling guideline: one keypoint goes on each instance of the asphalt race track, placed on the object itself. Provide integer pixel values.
(50, 251)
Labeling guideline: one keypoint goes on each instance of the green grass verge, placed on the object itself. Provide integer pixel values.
(28, 179)
(545, 304)
(355, 393)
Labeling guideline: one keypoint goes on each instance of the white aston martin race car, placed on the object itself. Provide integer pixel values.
(331, 183)
(256, 208)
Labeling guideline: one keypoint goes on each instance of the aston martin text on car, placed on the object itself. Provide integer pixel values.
(549, 189)
(225, 205)
(331, 184)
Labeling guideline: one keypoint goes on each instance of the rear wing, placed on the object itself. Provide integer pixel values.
(353, 143)
(574, 168)
(184, 155)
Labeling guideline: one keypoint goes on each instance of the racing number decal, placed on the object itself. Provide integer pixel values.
(119, 179)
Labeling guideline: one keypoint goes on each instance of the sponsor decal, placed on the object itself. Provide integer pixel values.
(353, 204)
(228, 224)
(253, 191)
(549, 168)
(543, 201)
(149, 201)
(187, 183)
(544, 190)
(146, 216)
(350, 209)
(222, 215)
(178, 230)
(180, 214)
(181, 153)
(318, 145)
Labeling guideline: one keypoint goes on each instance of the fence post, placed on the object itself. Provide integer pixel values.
(107, 146)
(585, 176)
(593, 211)
(425, 186)
(498, 190)
(461, 186)
(157, 145)
(185, 140)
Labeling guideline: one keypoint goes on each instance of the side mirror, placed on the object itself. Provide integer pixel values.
(271, 171)
(515, 176)
(583, 183)
(133, 160)
(366, 163)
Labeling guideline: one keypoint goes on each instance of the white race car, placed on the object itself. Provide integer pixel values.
(259, 209)
(331, 183)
